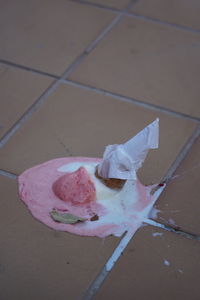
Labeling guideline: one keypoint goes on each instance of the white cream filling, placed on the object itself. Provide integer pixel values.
(118, 204)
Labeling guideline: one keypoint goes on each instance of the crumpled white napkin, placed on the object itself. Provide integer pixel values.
(123, 161)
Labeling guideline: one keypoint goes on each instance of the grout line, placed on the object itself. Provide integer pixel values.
(115, 21)
(138, 16)
(96, 284)
(182, 154)
(173, 229)
(131, 100)
(98, 5)
(158, 21)
(168, 176)
(180, 157)
(98, 281)
(8, 174)
(29, 112)
(40, 101)
(119, 250)
(107, 8)
(71, 68)
(29, 69)
(100, 91)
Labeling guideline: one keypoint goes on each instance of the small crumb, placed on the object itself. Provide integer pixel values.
(157, 233)
(180, 271)
(166, 262)
(94, 218)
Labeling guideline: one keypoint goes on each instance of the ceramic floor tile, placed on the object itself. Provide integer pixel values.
(159, 267)
(147, 61)
(50, 36)
(120, 4)
(19, 90)
(179, 203)
(77, 122)
(40, 263)
(181, 12)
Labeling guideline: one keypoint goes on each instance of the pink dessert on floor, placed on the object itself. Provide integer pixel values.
(76, 187)
(92, 196)
(69, 185)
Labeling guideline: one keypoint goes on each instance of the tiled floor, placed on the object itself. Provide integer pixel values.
(74, 77)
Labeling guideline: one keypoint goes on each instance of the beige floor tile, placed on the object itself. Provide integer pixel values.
(155, 267)
(77, 122)
(19, 90)
(120, 4)
(49, 36)
(39, 263)
(147, 61)
(179, 204)
(181, 12)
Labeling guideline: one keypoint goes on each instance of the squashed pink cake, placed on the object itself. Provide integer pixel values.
(69, 185)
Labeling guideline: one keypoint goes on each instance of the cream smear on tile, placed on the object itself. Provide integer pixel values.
(118, 204)
(118, 211)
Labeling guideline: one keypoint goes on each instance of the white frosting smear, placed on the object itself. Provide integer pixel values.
(121, 206)
(109, 212)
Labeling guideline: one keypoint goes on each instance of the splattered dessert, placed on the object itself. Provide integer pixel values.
(92, 196)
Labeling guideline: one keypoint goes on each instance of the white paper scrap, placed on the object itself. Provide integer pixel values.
(123, 161)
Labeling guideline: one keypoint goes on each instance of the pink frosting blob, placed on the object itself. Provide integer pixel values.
(76, 187)
(35, 190)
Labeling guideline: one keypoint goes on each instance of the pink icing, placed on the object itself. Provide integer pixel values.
(76, 188)
(35, 189)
